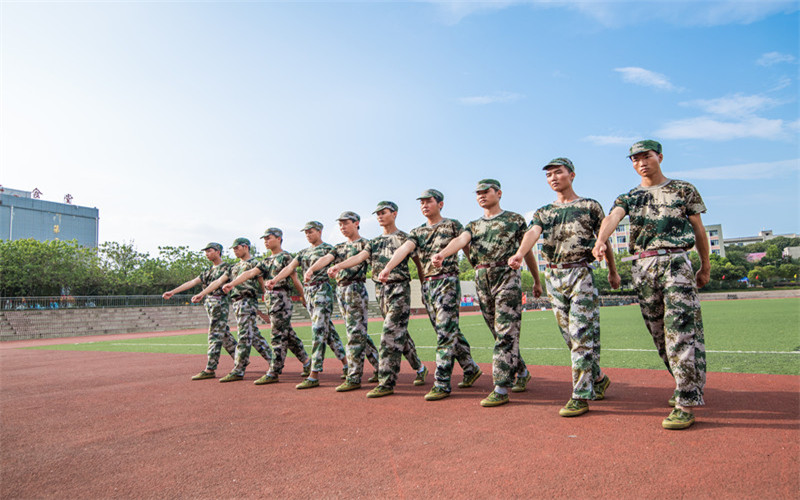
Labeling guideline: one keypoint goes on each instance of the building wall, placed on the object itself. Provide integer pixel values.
(23, 217)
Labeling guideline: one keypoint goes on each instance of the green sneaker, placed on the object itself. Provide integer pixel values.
(204, 375)
(522, 383)
(469, 381)
(674, 399)
(420, 380)
(373, 379)
(494, 399)
(267, 379)
(344, 372)
(678, 419)
(231, 377)
(574, 407)
(436, 393)
(600, 388)
(380, 392)
(348, 386)
(306, 370)
(307, 384)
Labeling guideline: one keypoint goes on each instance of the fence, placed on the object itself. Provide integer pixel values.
(91, 302)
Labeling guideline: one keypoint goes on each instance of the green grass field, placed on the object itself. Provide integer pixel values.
(742, 336)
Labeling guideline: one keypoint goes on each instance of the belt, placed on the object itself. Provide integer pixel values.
(441, 276)
(277, 290)
(390, 282)
(568, 265)
(653, 253)
(315, 283)
(350, 282)
(499, 263)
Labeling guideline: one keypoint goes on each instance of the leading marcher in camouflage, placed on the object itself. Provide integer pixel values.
(318, 295)
(353, 300)
(244, 293)
(493, 239)
(665, 224)
(568, 228)
(441, 292)
(394, 299)
(217, 305)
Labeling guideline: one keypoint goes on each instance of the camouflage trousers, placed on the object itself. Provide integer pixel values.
(353, 300)
(394, 300)
(442, 299)
(279, 308)
(319, 300)
(671, 310)
(249, 335)
(500, 295)
(219, 335)
(577, 308)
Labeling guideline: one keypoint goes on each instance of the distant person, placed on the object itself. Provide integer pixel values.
(493, 239)
(394, 299)
(353, 300)
(217, 306)
(665, 224)
(244, 294)
(279, 305)
(441, 292)
(318, 294)
(568, 228)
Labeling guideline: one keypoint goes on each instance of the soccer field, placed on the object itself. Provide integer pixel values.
(742, 336)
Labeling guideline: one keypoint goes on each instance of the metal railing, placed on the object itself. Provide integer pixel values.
(91, 302)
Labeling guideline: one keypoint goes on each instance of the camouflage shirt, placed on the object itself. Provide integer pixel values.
(568, 230)
(381, 249)
(344, 251)
(660, 215)
(307, 256)
(495, 239)
(250, 288)
(431, 240)
(274, 264)
(212, 274)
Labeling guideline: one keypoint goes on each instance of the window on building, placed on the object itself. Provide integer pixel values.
(713, 232)
(715, 242)
(621, 239)
(620, 228)
(716, 252)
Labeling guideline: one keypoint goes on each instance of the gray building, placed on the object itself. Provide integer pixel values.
(23, 217)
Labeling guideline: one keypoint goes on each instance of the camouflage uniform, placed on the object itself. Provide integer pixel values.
(394, 299)
(665, 283)
(442, 299)
(499, 288)
(319, 300)
(353, 301)
(279, 308)
(568, 236)
(217, 306)
(245, 305)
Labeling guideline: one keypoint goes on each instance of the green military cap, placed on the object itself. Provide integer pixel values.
(240, 241)
(431, 193)
(385, 204)
(484, 184)
(312, 224)
(348, 215)
(215, 246)
(274, 231)
(562, 162)
(645, 145)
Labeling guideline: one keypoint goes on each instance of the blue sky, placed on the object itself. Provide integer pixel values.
(187, 122)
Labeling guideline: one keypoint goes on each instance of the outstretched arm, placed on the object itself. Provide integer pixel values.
(530, 239)
(399, 256)
(348, 263)
(189, 284)
(285, 272)
(249, 274)
(211, 287)
(316, 266)
(610, 222)
(452, 248)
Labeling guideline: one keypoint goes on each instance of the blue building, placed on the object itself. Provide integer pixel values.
(22, 217)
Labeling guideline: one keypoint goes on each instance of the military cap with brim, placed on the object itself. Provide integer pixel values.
(348, 215)
(312, 224)
(645, 145)
(432, 193)
(274, 231)
(385, 204)
(240, 241)
(484, 184)
(215, 246)
(560, 162)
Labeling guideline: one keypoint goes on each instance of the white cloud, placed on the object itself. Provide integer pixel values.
(747, 171)
(644, 77)
(733, 106)
(772, 58)
(606, 140)
(497, 97)
(711, 129)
